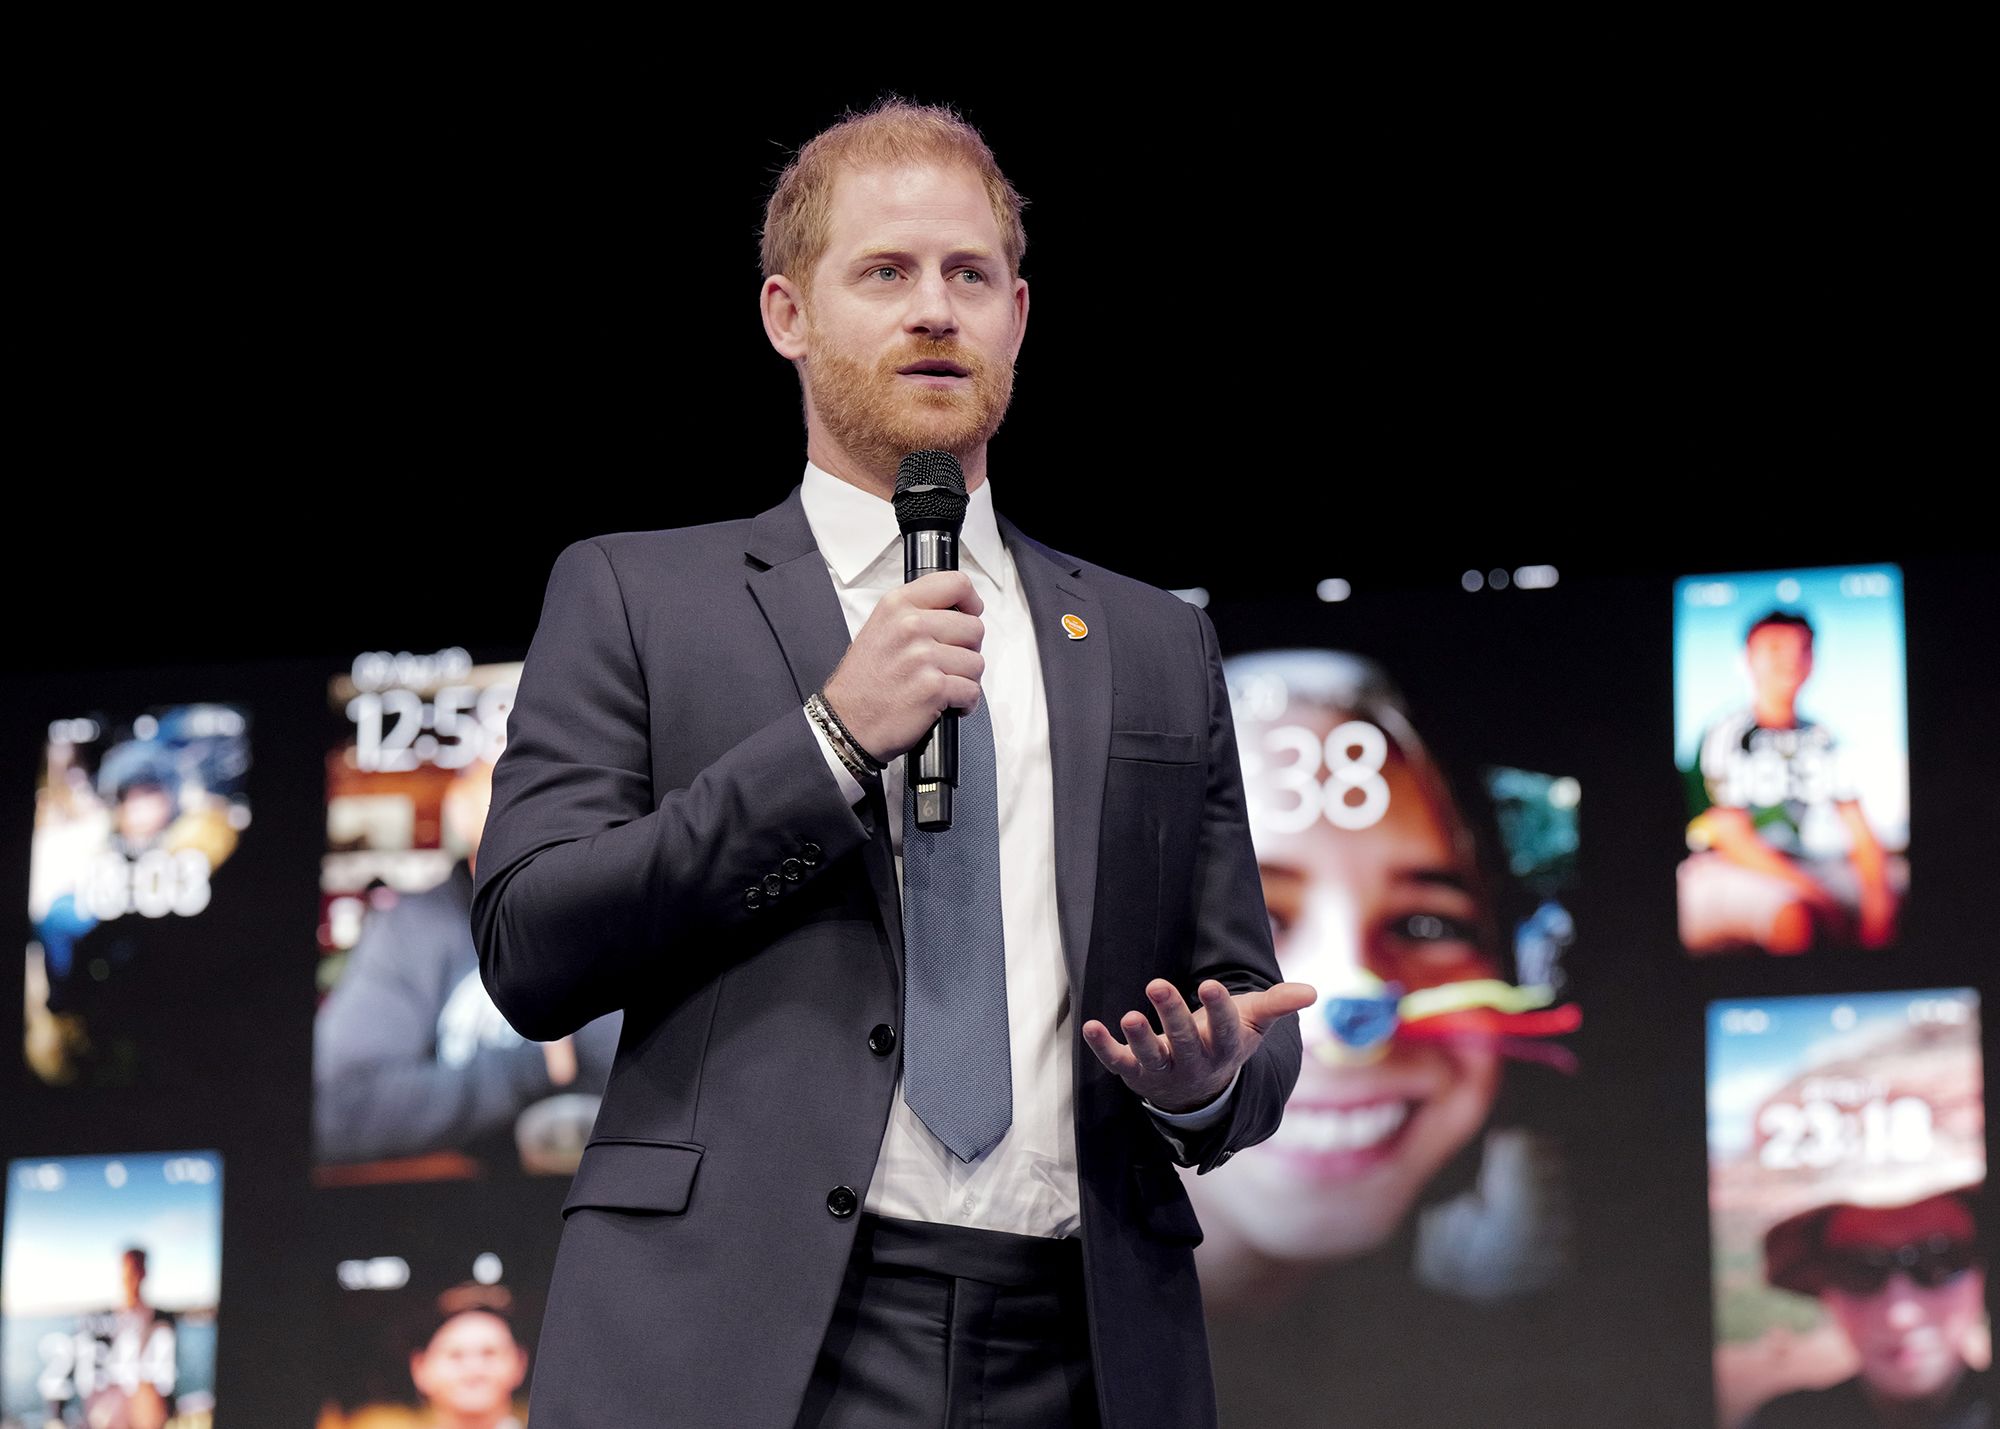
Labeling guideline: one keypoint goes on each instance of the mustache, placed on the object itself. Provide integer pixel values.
(935, 351)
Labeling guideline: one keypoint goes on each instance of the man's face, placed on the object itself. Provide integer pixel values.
(1358, 1143)
(1781, 658)
(133, 1274)
(1911, 1340)
(472, 1365)
(913, 276)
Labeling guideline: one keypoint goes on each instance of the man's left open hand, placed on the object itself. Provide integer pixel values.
(1188, 1068)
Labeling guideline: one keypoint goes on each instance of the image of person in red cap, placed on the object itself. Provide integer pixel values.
(1907, 1286)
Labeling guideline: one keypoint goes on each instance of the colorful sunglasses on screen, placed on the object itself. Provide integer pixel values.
(1365, 1019)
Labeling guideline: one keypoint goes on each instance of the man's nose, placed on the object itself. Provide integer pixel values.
(931, 310)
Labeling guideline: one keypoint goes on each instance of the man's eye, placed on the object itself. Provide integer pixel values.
(972, 273)
(885, 268)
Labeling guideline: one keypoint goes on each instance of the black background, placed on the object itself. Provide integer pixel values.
(319, 357)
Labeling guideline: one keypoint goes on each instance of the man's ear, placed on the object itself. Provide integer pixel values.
(782, 303)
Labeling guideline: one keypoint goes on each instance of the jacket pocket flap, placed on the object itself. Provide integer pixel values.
(635, 1176)
(1155, 746)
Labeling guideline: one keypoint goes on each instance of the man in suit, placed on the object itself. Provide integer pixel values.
(813, 1197)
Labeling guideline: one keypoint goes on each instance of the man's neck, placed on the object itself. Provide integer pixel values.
(870, 477)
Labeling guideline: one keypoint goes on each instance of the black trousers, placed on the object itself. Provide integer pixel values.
(948, 1327)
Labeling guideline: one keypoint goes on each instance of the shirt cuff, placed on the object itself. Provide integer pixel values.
(1202, 1115)
(849, 785)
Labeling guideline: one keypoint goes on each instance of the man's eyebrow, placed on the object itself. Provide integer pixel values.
(977, 252)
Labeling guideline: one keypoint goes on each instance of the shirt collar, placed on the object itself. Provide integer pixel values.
(856, 528)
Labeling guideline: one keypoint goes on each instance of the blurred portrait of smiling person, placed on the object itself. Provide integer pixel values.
(1396, 892)
(469, 1371)
(1397, 1251)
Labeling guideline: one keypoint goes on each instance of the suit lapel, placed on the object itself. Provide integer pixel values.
(789, 580)
(1077, 677)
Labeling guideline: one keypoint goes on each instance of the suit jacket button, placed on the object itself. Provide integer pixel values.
(882, 1041)
(792, 869)
(809, 855)
(773, 885)
(841, 1201)
(753, 898)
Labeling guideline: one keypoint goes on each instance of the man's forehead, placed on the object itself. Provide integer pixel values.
(911, 196)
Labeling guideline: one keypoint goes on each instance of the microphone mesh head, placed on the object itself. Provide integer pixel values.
(930, 492)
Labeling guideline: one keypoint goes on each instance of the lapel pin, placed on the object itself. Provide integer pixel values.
(1075, 626)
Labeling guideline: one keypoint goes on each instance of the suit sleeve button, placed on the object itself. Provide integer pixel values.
(841, 1201)
(753, 898)
(809, 855)
(773, 885)
(792, 869)
(882, 1041)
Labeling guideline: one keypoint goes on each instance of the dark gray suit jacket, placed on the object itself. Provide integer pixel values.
(657, 768)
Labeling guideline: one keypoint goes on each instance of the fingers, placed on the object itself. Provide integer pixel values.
(1260, 1009)
(1142, 1052)
(961, 695)
(1181, 1035)
(941, 590)
(952, 627)
(916, 656)
(1235, 1023)
(966, 664)
(1225, 1028)
(1152, 1050)
(1116, 1057)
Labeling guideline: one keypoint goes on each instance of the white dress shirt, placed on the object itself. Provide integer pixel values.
(1026, 1183)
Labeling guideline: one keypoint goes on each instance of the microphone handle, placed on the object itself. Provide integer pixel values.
(932, 767)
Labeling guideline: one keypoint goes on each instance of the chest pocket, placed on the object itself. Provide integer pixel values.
(1151, 746)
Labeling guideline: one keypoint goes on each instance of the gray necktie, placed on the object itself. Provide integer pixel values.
(958, 1076)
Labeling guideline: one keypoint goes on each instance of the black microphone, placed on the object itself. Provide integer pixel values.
(930, 505)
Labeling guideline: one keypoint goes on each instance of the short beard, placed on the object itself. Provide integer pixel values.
(878, 422)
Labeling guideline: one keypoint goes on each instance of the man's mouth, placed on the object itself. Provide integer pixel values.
(934, 372)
